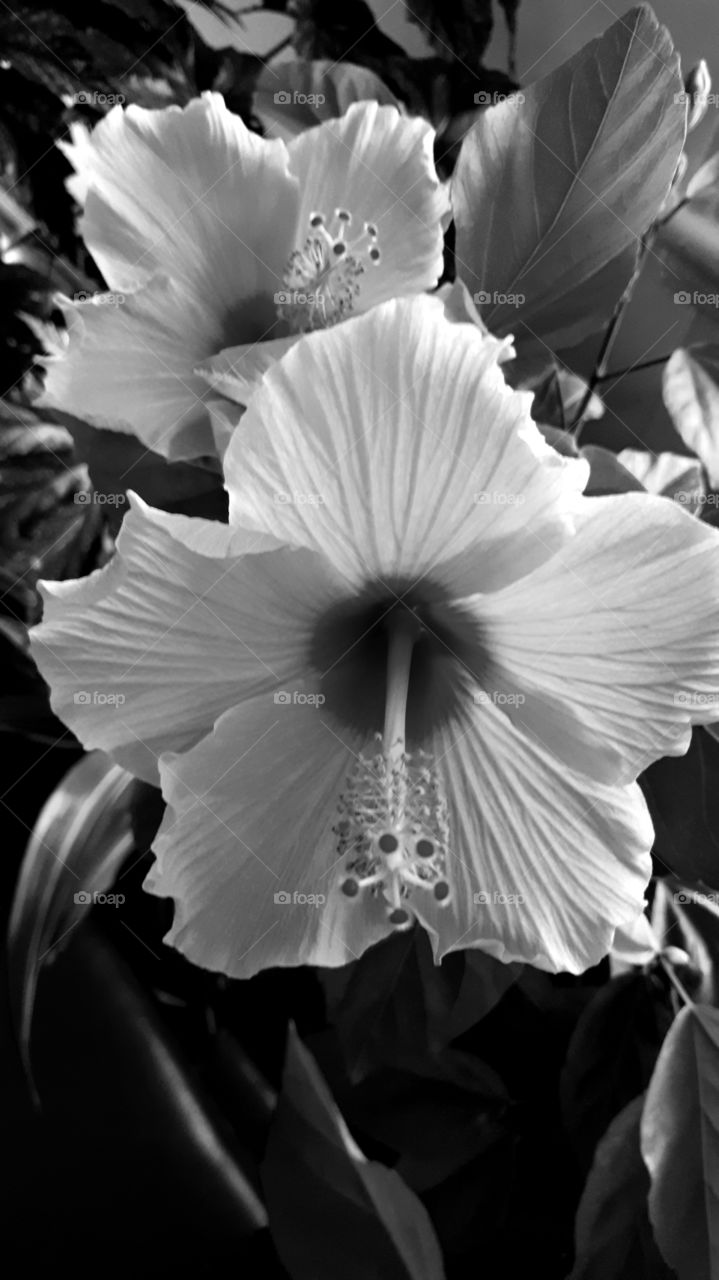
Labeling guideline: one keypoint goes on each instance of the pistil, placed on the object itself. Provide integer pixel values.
(393, 829)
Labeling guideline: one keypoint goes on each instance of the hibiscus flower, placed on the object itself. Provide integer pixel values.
(412, 682)
(211, 238)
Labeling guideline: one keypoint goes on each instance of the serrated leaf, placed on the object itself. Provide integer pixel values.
(611, 1055)
(543, 210)
(81, 838)
(613, 1237)
(680, 1145)
(690, 387)
(329, 1206)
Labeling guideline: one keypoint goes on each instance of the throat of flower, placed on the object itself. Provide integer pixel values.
(392, 829)
(322, 278)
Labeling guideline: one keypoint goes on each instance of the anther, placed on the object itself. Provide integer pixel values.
(399, 918)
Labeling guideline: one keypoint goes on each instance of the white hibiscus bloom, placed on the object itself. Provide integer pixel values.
(414, 680)
(217, 238)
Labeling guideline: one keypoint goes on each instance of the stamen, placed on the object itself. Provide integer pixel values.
(322, 278)
(393, 829)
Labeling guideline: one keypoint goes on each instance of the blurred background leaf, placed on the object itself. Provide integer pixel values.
(327, 1201)
(614, 1239)
(680, 1144)
(611, 1055)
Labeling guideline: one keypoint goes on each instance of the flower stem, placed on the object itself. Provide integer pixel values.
(634, 368)
(679, 986)
(612, 329)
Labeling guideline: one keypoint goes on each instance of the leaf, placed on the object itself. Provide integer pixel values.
(456, 29)
(435, 1117)
(611, 1055)
(150, 1105)
(613, 1237)
(391, 1002)
(607, 474)
(687, 243)
(671, 475)
(310, 92)
(690, 387)
(327, 1202)
(544, 214)
(484, 982)
(81, 838)
(118, 462)
(680, 1145)
(683, 799)
(325, 29)
(48, 527)
(706, 179)
(558, 394)
(395, 1002)
(687, 917)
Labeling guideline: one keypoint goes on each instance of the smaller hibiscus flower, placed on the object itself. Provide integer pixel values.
(412, 682)
(210, 237)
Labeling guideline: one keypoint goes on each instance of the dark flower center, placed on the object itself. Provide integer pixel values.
(350, 646)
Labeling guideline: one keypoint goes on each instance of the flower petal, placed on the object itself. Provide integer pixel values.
(379, 166)
(557, 863)
(250, 816)
(130, 366)
(237, 371)
(613, 642)
(190, 192)
(189, 617)
(398, 445)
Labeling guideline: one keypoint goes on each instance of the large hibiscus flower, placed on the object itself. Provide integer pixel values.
(214, 240)
(413, 681)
